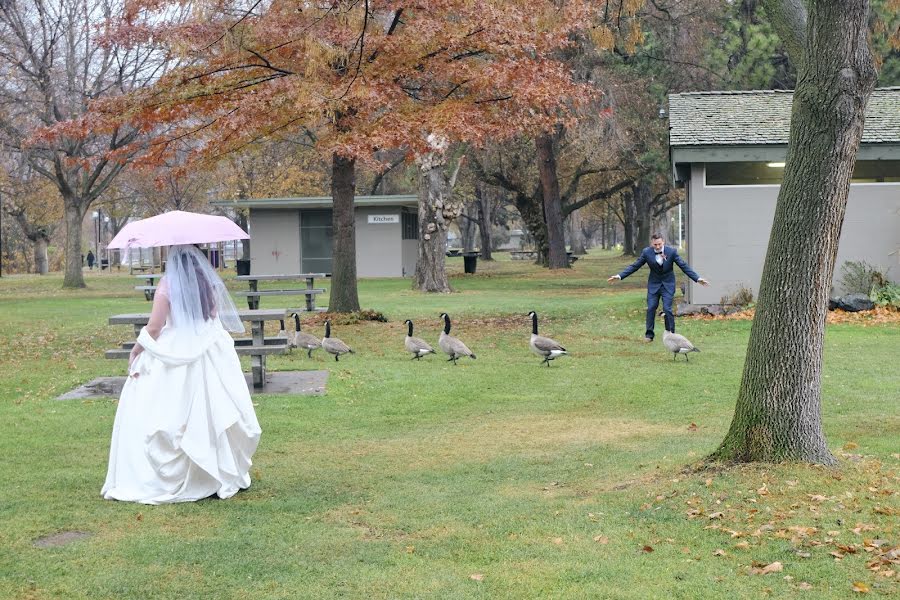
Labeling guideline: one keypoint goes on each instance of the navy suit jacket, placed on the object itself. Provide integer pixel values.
(661, 277)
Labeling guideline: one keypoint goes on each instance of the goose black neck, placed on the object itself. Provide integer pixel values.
(327, 329)
(447, 324)
(534, 323)
(297, 321)
(409, 328)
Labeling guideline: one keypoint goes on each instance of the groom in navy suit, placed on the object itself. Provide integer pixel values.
(661, 260)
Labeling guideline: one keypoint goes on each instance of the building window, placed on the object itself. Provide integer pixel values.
(410, 224)
(315, 241)
(771, 173)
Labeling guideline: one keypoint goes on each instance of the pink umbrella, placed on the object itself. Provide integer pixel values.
(175, 228)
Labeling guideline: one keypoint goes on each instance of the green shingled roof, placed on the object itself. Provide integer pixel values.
(762, 117)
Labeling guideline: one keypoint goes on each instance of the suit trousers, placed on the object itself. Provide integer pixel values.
(653, 306)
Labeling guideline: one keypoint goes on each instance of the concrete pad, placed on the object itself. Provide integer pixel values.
(305, 383)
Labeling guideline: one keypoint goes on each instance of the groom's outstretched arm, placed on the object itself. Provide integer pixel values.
(640, 262)
(686, 268)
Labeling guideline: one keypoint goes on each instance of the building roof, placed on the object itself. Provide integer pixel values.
(762, 117)
(319, 202)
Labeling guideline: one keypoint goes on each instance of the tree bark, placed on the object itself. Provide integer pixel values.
(628, 222)
(344, 295)
(436, 211)
(778, 413)
(73, 278)
(41, 262)
(556, 240)
(642, 200)
(576, 233)
(467, 225)
(485, 220)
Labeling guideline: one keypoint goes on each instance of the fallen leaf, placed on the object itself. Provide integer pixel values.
(647, 549)
(692, 427)
(742, 545)
(817, 497)
(719, 552)
(476, 577)
(859, 586)
(774, 567)
(804, 585)
(558, 541)
(601, 539)
(836, 555)
(851, 446)
(140, 516)
(716, 515)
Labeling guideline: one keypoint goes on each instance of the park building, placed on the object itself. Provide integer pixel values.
(728, 150)
(294, 235)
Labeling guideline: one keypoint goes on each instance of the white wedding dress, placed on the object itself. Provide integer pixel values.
(185, 427)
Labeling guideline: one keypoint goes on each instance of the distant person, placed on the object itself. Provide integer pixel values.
(661, 260)
(185, 427)
(90, 260)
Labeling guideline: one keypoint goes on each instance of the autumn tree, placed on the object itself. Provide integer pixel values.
(33, 203)
(778, 412)
(53, 64)
(355, 78)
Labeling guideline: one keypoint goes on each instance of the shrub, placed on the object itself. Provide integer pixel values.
(859, 277)
(742, 296)
(887, 295)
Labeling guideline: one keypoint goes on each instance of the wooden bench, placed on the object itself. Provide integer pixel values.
(309, 292)
(523, 255)
(257, 346)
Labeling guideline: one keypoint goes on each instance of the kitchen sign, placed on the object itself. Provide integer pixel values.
(384, 219)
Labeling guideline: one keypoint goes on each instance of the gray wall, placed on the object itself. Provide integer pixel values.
(274, 241)
(378, 250)
(728, 232)
(410, 255)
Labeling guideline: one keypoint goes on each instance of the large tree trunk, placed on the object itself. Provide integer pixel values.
(344, 296)
(41, 261)
(485, 220)
(628, 222)
(778, 412)
(467, 227)
(73, 278)
(576, 233)
(556, 239)
(642, 200)
(436, 211)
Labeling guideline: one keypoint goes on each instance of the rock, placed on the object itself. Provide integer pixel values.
(683, 309)
(713, 309)
(833, 303)
(855, 302)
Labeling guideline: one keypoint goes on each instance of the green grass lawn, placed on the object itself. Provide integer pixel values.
(496, 478)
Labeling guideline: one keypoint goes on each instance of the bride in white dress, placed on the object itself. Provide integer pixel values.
(185, 428)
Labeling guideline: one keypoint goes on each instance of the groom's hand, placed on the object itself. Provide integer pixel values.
(703, 282)
(613, 279)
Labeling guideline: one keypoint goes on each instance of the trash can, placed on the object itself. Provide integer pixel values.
(470, 262)
(243, 266)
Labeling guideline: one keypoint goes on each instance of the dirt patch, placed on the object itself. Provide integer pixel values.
(61, 538)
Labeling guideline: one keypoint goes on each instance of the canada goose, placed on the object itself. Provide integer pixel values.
(544, 346)
(451, 346)
(417, 346)
(333, 345)
(678, 344)
(300, 339)
(283, 333)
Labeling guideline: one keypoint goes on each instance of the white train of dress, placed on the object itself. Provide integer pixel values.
(185, 428)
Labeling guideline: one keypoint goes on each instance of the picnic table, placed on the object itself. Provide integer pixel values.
(257, 346)
(150, 288)
(310, 291)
